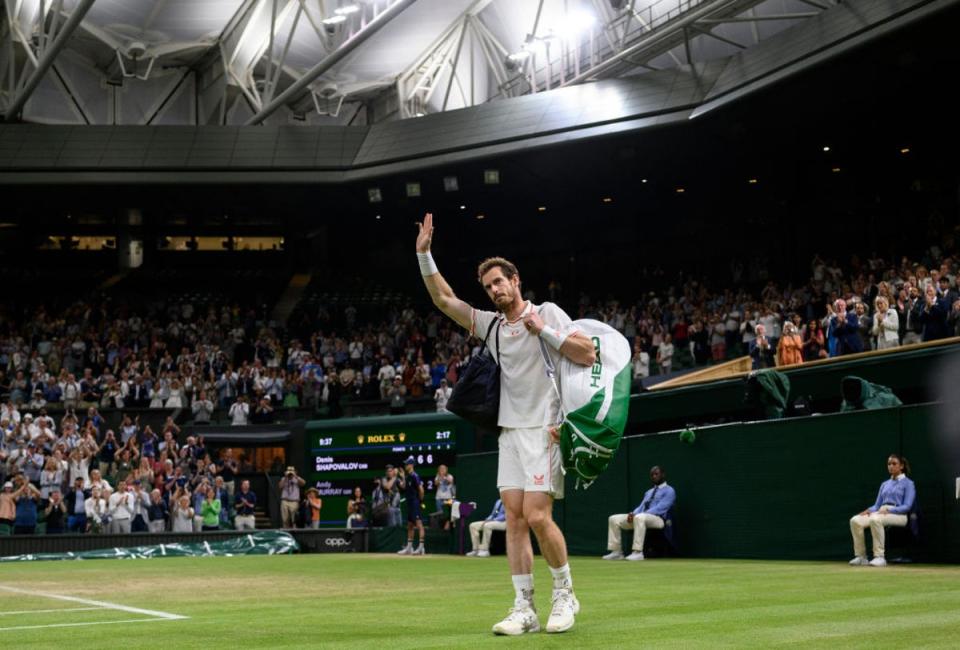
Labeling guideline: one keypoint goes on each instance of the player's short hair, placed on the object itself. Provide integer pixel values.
(508, 268)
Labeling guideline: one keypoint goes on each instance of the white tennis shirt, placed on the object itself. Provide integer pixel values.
(527, 398)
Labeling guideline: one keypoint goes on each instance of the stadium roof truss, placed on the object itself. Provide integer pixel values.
(339, 62)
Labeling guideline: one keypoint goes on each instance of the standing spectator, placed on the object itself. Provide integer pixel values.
(8, 505)
(76, 511)
(181, 512)
(665, 355)
(263, 414)
(908, 308)
(932, 315)
(246, 502)
(843, 331)
(446, 490)
(398, 397)
(790, 348)
(314, 504)
(239, 412)
(202, 408)
(886, 325)
(864, 325)
(97, 516)
(121, 506)
(761, 351)
(210, 509)
(55, 514)
(442, 396)
(157, 513)
(290, 486)
(813, 342)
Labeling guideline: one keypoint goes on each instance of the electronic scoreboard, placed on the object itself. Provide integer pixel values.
(342, 459)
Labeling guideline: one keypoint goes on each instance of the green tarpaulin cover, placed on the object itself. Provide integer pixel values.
(269, 542)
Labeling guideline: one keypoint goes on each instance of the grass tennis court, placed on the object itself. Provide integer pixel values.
(367, 601)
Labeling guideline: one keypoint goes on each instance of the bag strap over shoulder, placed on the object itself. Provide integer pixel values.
(495, 321)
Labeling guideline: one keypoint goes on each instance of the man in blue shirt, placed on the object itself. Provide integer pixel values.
(651, 513)
(482, 531)
(246, 503)
(412, 486)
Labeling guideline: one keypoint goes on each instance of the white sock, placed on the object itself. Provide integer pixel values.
(523, 585)
(561, 577)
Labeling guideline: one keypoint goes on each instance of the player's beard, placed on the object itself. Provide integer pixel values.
(507, 302)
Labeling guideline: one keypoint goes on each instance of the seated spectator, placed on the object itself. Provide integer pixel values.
(481, 532)
(886, 325)
(651, 513)
(790, 347)
(893, 506)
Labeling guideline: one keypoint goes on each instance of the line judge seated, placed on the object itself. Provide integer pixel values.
(481, 532)
(651, 513)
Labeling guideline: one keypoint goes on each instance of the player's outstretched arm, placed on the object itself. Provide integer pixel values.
(440, 292)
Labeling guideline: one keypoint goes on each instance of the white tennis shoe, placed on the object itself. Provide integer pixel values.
(406, 550)
(565, 608)
(859, 561)
(482, 553)
(878, 561)
(519, 620)
(636, 556)
(613, 555)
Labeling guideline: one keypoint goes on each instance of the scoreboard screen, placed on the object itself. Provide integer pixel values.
(341, 460)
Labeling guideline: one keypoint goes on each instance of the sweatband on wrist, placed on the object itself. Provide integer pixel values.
(552, 337)
(427, 265)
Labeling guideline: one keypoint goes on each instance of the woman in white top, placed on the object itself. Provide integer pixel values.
(96, 509)
(182, 514)
(51, 478)
(175, 401)
(886, 325)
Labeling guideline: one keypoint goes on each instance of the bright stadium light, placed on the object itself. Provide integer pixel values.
(491, 177)
(346, 9)
(574, 23)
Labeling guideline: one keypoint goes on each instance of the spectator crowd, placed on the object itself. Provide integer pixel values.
(202, 359)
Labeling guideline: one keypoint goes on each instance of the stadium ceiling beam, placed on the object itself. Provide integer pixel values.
(723, 39)
(753, 19)
(301, 85)
(662, 39)
(45, 62)
(417, 83)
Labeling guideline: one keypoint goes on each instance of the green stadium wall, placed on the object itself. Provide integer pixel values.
(780, 489)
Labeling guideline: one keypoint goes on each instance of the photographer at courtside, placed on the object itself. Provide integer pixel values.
(290, 486)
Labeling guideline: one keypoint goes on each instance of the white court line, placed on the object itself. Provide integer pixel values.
(50, 611)
(97, 603)
(128, 620)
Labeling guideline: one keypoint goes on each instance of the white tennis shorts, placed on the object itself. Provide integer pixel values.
(529, 461)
